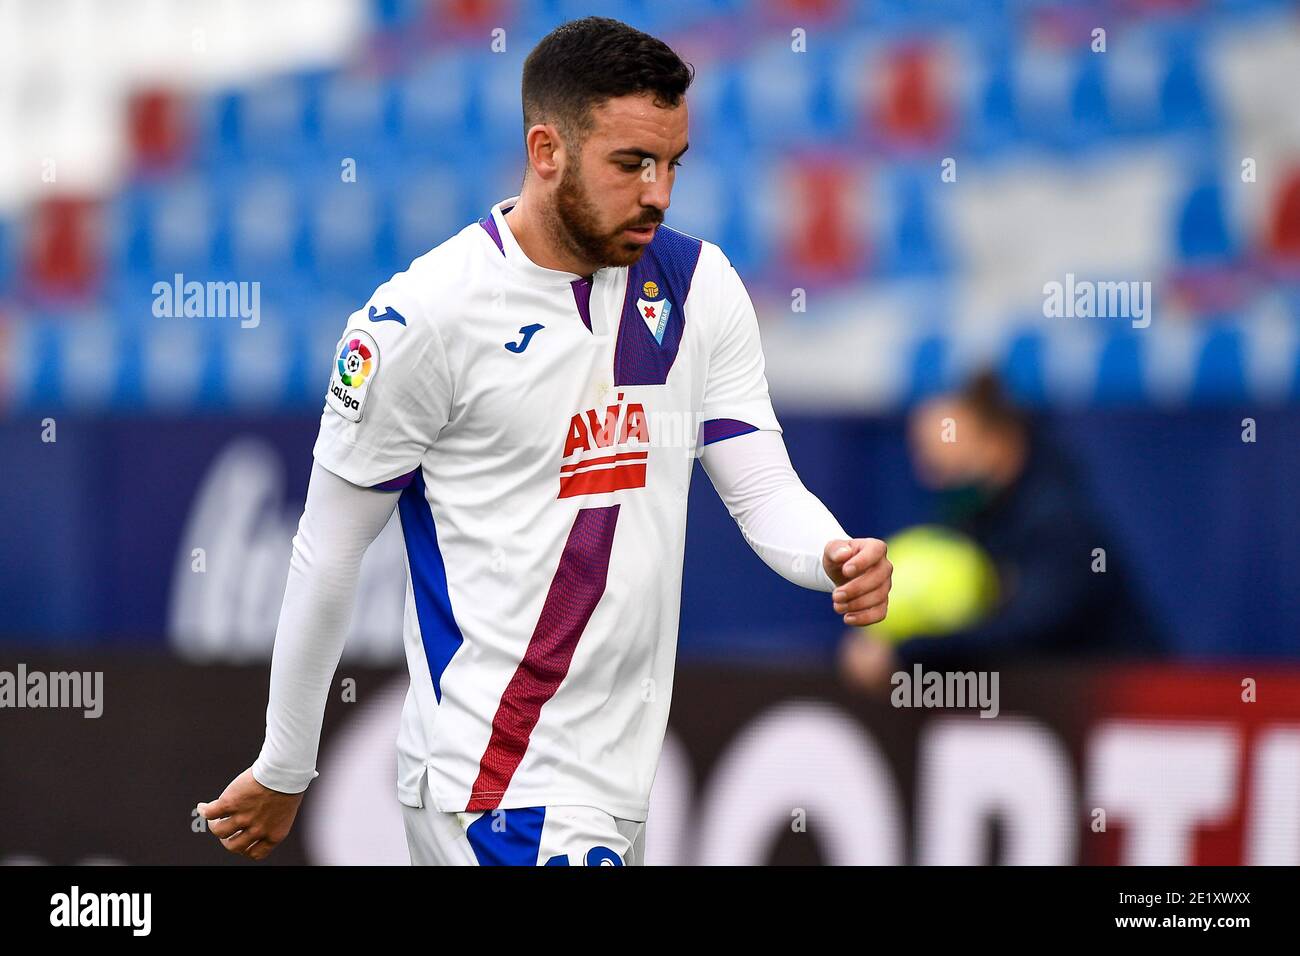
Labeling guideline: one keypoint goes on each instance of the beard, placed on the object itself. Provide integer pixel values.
(576, 224)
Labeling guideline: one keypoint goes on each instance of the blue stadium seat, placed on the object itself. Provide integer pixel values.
(750, 239)
(777, 86)
(1022, 368)
(217, 119)
(496, 119)
(1120, 371)
(356, 115)
(1089, 111)
(844, 81)
(181, 225)
(733, 123)
(125, 231)
(348, 232)
(911, 244)
(1183, 101)
(1220, 369)
(43, 354)
(425, 207)
(274, 119)
(930, 373)
(160, 227)
(707, 109)
(265, 230)
(395, 14)
(701, 199)
(433, 104)
(998, 123)
(1294, 394)
(9, 252)
(1202, 235)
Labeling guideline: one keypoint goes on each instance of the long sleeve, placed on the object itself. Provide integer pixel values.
(786, 524)
(339, 522)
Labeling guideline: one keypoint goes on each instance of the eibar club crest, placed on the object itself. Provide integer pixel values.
(654, 310)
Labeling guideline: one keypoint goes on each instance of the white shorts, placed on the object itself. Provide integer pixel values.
(523, 836)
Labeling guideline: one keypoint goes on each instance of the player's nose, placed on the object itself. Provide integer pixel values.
(657, 194)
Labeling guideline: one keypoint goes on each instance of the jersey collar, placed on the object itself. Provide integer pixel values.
(515, 256)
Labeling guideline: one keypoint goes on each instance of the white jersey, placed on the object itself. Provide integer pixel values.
(544, 427)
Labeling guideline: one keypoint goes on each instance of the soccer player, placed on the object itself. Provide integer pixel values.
(531, 396)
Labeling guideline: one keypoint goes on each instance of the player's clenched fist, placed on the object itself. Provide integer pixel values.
(251, 819)
(862, 576)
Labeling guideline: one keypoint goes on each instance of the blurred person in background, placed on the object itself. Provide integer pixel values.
(1023, 509)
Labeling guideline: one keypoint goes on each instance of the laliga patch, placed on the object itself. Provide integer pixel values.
(355, 367)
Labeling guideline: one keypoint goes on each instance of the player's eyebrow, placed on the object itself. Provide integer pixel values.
(644, 154)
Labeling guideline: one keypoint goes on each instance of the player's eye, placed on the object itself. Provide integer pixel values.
(637, 167)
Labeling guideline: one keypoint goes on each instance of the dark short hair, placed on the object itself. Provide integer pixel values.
(582, 63)
(985, 394)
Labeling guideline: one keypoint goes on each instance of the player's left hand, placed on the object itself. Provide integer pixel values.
(862, 575)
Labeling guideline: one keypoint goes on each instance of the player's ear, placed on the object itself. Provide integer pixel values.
(543, 143)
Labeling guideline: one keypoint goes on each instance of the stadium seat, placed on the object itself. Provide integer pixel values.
(181, 224)
(1183, 102)
(1089, 111)
(275, 118)
(9, 241)
(433, 103)
(779, 87)
(355, 115)
(1120, 371)
(1220, 371)
(1022, 368)
(346, 230)
(1282, 239)
(912, 244)
(425, 206)
(1202, 235)
(997, 123)
(265, 226)
(929, 373)
(911, 110)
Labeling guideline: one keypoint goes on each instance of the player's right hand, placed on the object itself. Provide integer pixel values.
(250, 819)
